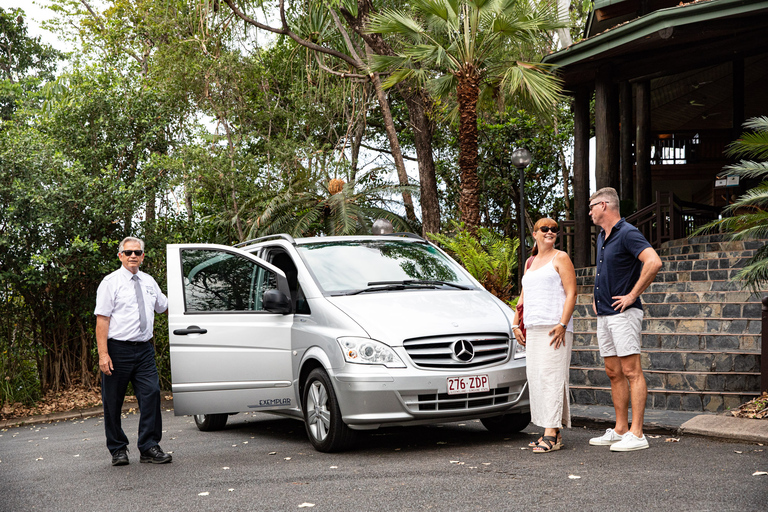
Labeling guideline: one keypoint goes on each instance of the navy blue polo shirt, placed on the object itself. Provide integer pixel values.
(618, 268)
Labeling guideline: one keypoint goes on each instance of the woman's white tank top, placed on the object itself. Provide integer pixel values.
(544, 296)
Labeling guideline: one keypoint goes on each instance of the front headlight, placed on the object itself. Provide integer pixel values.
(519, 351)
(368, 351)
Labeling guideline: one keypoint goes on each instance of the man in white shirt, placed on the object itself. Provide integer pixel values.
(125, 305)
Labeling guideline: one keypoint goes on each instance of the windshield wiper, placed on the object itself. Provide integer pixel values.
(433, 282)
(383, 286)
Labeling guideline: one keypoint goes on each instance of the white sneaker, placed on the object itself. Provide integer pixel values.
(629, 443)
(610, 437)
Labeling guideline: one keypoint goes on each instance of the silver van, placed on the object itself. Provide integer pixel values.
(346, 333)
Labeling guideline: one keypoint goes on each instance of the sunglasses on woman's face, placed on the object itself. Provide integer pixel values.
(137, 252)
(547, 229)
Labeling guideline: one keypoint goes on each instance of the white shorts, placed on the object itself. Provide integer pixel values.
(620, 334)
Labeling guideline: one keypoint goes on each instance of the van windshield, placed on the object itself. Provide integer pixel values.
(371, 265)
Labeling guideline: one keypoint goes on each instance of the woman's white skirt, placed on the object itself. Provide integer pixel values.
(547, 371)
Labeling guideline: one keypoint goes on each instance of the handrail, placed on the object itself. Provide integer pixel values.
(668, 218)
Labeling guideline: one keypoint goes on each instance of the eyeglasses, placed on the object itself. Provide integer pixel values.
(547, 229)
(595, 204)
(137, 252)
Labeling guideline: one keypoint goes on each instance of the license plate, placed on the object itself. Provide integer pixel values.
(468, 384)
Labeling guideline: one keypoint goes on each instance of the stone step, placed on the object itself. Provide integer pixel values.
(701, 336)
(701, 239)
(658, 297)
(707, 342)
(735, 361)
(679, 287)
(664, 399)
(702, 248)
(684, 325)
(711, 310)
(736, 262)
(681, 276)
(676, 381)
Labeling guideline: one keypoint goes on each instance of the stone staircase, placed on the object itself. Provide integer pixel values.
(701, 331)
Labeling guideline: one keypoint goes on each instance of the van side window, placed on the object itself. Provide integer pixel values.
(283, 261)
(221, 281)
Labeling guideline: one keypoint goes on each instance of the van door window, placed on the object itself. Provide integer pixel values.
(221, 281)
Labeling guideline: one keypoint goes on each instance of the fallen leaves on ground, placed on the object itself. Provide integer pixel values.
(756, 409)
(76, 397)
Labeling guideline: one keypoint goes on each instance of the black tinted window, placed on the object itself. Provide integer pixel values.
(222, 281)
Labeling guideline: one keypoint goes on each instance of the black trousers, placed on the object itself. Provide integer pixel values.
(135, 363)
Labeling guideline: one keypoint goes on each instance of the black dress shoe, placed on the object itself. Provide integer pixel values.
(156, 455)
(120, 457)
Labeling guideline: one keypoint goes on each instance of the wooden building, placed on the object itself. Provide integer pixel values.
(672, 84)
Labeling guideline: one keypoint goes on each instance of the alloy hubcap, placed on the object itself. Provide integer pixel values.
(318, 416)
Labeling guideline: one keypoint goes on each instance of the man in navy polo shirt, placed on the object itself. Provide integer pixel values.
(626, 266)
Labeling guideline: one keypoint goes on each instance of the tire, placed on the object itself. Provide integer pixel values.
(210, 422)
(322, 416)
(507, 423)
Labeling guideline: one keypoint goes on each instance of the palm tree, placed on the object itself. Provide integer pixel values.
(747, 217)
(470, 49)
(331, 207)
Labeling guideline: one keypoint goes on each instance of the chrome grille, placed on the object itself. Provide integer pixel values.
(441, 352)
(465, 401)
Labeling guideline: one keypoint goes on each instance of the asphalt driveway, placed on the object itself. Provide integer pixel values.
(262, 462)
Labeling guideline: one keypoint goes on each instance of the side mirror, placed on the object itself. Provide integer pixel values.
(276, 301)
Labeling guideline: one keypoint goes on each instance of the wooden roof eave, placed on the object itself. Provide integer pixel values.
(649, 28)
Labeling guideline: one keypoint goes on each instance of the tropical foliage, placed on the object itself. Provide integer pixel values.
(465, 51)
(172, 122)
(747, 217)
(487, 256)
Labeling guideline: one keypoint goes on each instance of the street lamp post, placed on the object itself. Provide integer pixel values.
(521, 158)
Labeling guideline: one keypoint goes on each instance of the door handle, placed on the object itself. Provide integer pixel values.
(192, 329)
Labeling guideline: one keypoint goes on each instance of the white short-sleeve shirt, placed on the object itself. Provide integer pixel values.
(116, 299)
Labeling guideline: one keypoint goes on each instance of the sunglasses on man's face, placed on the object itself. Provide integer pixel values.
(137, 252)
(547, 229)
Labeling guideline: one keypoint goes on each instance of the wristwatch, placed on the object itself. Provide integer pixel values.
(564, 326)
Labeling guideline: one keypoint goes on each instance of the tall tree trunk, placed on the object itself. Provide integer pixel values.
(417, 103)
(467, 92)
(394, 144)
(357, 135)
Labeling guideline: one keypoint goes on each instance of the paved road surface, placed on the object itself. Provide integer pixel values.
(262, 462)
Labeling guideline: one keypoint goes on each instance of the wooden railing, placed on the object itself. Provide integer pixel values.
(668, 218)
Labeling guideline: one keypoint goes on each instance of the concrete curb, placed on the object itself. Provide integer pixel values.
(727, 427)
(71, 415)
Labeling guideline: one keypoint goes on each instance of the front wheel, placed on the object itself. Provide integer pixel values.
(322, 416)
(210, 422)
(508, 423)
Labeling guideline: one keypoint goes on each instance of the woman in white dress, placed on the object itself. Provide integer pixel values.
(549, 296)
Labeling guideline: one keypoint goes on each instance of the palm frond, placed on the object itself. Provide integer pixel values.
(753, 199)
(443, 86)
(390, 21)
(748, 169)
(747, 217)
(753, 145)
(754, 274)
(535, 82)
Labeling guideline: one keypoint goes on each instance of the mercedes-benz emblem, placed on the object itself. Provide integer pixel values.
(463, 351)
